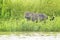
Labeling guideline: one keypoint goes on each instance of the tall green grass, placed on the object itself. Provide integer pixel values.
(23, 25)
(12, 15)
(11, 8)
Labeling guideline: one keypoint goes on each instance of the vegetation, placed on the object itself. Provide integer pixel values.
(12, 15)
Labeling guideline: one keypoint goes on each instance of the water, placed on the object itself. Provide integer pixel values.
(35, 36)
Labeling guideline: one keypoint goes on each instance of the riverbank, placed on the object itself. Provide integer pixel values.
(30, 36)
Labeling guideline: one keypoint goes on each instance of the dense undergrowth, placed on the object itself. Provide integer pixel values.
(12, 15)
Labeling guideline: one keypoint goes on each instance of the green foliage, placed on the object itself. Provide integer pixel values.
(12, 15)
(14, 25)
(14, 7)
